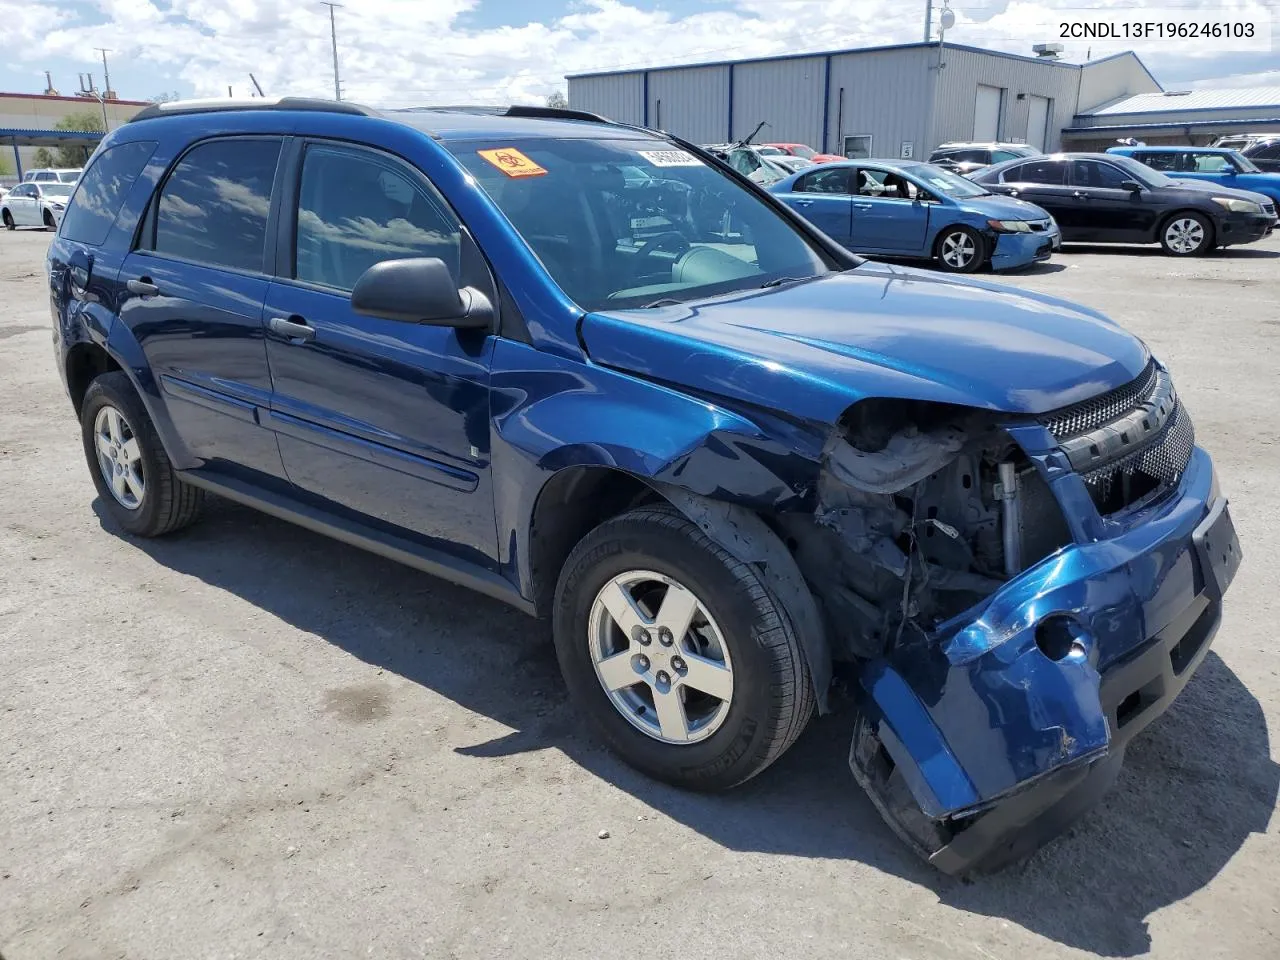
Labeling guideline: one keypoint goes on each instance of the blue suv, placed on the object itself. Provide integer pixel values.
(592, 371)
(1226, 168)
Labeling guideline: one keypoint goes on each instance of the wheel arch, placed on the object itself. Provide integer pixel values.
(86, 361)
(1163, 222)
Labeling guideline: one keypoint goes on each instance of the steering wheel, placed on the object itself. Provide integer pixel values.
(672, 242)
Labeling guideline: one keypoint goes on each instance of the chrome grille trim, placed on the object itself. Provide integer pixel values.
(1078, 418)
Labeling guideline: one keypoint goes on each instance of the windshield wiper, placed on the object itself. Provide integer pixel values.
(779, 281)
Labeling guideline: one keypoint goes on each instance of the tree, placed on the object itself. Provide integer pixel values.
(557, 99)
(82, 121)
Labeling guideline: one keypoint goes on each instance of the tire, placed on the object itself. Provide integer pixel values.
(728, 740)
(1180, 230)
(8, 220)
(151, 500)
(49, 222)
(960, 249)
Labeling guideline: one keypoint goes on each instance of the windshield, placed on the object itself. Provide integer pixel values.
(69, 176)
(680, 230)
(1140, 171)
(56, 189)
(771, 152)
(1243, 163)
(945, 182)
(803, 151)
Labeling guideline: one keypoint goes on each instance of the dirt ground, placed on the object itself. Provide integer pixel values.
(249, 741)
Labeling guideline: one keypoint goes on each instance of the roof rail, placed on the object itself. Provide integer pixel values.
(176, 108)
(515, 110)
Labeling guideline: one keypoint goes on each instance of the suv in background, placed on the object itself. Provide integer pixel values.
(1263, 149)
(1227, 168)
(592, 371)
(964, 158)
(52, 175)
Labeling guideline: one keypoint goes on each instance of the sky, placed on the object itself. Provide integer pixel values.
(419, 52)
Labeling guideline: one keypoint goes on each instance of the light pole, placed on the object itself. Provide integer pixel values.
(946, 20)
(333, 36)
(106, 76)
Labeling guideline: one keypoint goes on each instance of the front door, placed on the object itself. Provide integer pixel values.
(193, 292)
(822, 198)
(385, 418)
(1044, 183)
(888, 214)
(1108, 211)
(23, 205)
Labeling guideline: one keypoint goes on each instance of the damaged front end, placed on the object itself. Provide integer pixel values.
(1020, 596)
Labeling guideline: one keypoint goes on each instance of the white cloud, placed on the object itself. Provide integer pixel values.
(401, 52)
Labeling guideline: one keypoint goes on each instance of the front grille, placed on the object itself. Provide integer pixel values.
(1098, 411)
(1269, 209)
(1159, 465)
(1128, 443)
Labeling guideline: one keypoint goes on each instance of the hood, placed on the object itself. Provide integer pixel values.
(812, 349)
(1208, 186)
(996, 207)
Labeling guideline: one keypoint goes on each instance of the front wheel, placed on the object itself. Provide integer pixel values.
(688, 666)
(960, 250)
(1187, 235)
(49, 222)
(8, 220)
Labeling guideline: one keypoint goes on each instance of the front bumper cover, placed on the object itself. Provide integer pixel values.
(1013, 250)
(981, 745)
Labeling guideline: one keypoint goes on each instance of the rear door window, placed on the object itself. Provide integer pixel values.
(1050, 172)
(1092, 173)
(213, 207)
(102, 190)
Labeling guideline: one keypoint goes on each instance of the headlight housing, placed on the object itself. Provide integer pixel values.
(1009, 226)
(1239, 206)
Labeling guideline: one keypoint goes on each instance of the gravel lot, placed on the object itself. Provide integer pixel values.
(249, 741)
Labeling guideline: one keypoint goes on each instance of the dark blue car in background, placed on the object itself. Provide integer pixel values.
(590, 370)
(1226, 168)
(918, 210)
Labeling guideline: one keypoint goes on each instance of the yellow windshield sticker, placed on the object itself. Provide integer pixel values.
(512, 162)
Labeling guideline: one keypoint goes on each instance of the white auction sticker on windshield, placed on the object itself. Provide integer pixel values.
(670, 158)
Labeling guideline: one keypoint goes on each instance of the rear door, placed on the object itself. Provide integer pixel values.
(386, 418)
(886, 214)
(195, 285)
(823, 198)
(1044, 183)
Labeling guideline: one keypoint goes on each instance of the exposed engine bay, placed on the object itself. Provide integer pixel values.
(922, 511)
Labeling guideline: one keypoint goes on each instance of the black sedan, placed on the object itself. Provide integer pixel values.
(1105, 198)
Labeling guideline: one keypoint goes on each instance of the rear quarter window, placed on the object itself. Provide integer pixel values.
(102, 190)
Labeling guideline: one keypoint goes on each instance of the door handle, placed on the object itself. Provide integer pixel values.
(143, 287)
(804, 203)
(863, 206)
(294, 329)
(1080, 196)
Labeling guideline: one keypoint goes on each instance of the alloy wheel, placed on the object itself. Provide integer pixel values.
(119, 457)
(660, 657)
(1184, 235)
(958, 250)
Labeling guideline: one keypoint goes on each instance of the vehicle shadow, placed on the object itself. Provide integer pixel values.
(1124, 250)
(1033, 270)
(1195, 786)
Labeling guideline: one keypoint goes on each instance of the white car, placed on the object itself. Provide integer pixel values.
(35, 205)
(52, 175)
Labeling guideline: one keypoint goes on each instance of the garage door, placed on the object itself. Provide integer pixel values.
(986, 114)
(1037, 121)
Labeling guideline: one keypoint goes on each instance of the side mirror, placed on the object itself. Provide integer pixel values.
(1229, 170)
(420, 290)
(1133, 186)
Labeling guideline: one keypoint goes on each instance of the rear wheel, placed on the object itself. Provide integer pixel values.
(1187, 234)
(687, 665)
(960, 249)
(134, 477)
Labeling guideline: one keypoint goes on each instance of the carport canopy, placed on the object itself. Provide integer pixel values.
(17, 137)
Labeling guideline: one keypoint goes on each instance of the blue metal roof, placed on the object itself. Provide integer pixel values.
(48, 138)
(1186, 101)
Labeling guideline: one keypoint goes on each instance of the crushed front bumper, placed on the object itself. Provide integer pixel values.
(1013, 250)
(980, 745)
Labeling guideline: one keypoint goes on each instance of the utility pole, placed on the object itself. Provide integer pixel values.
(106, 75)
(928, 19)
(333, 36)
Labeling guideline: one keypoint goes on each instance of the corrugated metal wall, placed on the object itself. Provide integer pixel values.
(965, 70)
(692, 103)
(1106, 80)
(618, 96)
(787, 93)
(886, 95)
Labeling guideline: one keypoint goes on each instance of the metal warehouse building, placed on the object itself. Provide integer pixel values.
(896, 101)
(1177, 117)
